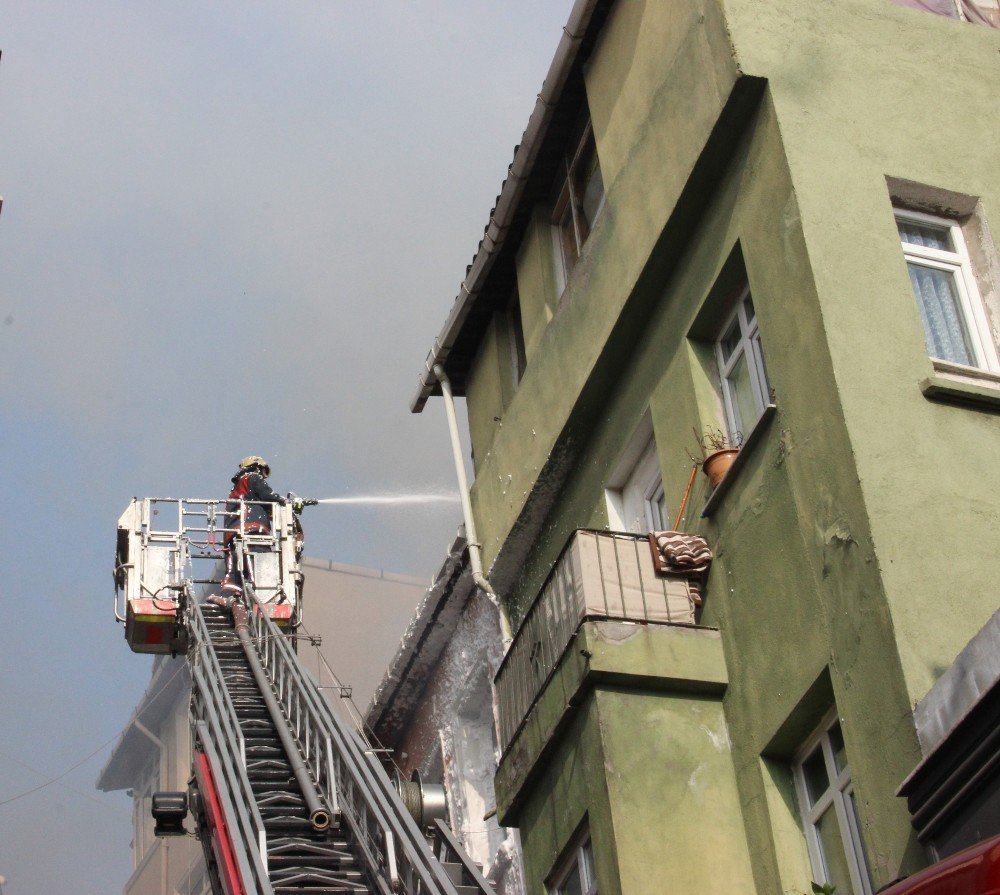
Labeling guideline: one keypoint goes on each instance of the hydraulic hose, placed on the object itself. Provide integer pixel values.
(319, 817)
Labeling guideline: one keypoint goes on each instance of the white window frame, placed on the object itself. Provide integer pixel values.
(637, 475)
(750, 346)
(838, 794)
(569, 201)
(656, 507)
(580, 861)
(970, 301)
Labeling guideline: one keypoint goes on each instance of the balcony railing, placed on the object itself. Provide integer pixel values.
(599, 575)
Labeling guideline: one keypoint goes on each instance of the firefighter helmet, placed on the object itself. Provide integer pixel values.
(259, 462)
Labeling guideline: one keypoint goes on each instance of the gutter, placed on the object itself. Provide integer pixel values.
(508, 200)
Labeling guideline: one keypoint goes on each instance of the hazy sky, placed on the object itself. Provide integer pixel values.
(228, 229)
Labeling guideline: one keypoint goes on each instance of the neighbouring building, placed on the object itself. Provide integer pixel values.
(435, 710)
(347, 658)
(761, 224)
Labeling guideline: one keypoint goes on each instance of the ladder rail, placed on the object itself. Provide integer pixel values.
(381, 824)
(212, 681)
(218, 728)
(253, 870)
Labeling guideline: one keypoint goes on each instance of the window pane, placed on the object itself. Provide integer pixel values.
(567, 239)
(859, 850)
(837, 747)
(817, 780)
(762, 367)
(587, 855)
(592, 192)
(748, 306)
(742, 397)
(573, 885)
(926, 235)
(731, 340)
(944, 322)
(832, 847)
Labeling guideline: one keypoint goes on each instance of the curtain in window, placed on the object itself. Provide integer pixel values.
(950, 8)
(944, 325)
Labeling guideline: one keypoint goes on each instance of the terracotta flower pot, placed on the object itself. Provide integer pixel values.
(717, 465)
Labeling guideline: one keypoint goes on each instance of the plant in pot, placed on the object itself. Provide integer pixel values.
(718, 451)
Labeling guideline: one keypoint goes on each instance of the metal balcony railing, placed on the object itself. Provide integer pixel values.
(598, 575)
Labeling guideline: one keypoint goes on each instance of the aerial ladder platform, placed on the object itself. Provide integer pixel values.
(287, 797)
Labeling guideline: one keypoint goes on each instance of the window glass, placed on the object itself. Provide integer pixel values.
(574, 885)
(744, 401)
(925, 235)
(593, 192)
(656, 507)
(837, 747)
(577, 875)
(817, 780)
(580, 199)
(944, 324)
(730, 342)
(567, 237)
(837, 870)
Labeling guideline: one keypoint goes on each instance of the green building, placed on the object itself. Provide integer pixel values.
(763, 222)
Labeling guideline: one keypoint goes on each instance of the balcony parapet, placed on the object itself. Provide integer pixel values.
(599, 576)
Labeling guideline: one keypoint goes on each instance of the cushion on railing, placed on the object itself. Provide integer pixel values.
(677, 553)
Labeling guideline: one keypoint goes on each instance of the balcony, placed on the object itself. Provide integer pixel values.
(599, 576)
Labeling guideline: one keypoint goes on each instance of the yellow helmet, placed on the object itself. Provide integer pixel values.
(250, 462)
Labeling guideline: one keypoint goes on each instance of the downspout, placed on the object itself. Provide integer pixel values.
(475, 548)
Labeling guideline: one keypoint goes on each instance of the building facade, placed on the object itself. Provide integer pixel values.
(338, 644)
(759, 224)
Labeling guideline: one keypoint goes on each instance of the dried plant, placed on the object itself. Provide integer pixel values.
(712, 440)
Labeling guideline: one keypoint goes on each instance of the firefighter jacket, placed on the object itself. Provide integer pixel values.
(250, 486)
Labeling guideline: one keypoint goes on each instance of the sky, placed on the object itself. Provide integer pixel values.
(228, 228)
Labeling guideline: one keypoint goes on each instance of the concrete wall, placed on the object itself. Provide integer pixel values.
(854, 549)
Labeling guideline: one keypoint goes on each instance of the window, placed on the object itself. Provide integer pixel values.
(830, 812)
(956, 328)
(580, 201)
(634, 495)
(576, 876)
(745, 389)
(979, 12)
(515, 331)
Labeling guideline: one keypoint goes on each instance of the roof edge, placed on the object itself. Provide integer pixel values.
(511, 191)
(416, 649)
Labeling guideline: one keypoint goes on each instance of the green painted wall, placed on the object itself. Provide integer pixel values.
(638, 749)
(850, 116)
(855, 546)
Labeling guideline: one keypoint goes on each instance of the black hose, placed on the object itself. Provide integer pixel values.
(319, 817)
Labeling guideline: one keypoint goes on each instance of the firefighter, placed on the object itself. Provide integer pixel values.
(249, 484)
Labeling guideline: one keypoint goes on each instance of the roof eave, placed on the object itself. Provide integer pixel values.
(509, 199)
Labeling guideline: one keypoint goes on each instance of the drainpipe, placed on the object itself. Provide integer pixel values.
(475, 555)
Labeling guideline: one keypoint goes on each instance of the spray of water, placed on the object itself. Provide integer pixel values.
(394, 499)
